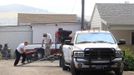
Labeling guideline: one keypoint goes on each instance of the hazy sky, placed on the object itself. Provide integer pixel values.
(62, 6)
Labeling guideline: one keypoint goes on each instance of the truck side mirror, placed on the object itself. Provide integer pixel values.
(121, 42)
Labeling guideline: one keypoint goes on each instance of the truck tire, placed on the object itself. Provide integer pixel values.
(64, 67)
(119, 71)
(60, 61)
(39, 55)
(60, 57)
(74, 71)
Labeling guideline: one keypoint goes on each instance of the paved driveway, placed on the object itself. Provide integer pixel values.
(41, 68)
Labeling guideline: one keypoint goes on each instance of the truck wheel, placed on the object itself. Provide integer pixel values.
(39, 55)
(64, 67)
(60, 57)
(60, 61)
(119, 71)
(74, 71)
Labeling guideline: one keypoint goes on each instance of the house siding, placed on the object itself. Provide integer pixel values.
(123, 34)
(96, 20)
(121, 27)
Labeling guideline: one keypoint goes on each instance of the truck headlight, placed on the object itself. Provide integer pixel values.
(78, 54)
(119, 54)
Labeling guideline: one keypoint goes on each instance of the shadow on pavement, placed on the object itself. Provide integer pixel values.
(96, 73)
(37, 66)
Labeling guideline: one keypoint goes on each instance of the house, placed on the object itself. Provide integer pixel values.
(19, 27)
(115, 17)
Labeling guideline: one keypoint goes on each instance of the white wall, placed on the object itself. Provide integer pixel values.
(96, 20)
(38, 30)
(14, 35)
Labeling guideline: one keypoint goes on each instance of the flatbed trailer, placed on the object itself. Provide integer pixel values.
(35, 52)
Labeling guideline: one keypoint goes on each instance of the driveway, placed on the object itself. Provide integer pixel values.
(41, 68)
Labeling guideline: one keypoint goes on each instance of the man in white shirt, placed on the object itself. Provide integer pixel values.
(47, 40)
(20, 52)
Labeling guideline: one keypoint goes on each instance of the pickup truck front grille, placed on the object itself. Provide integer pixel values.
(99, 53)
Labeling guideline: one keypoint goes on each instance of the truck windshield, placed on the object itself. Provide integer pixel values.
(95, 38)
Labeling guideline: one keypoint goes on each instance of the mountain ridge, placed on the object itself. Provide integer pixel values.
(18, 8)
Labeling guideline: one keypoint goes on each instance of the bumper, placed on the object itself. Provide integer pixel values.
(83, 64)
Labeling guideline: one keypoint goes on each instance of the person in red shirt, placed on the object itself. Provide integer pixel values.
(58, 36)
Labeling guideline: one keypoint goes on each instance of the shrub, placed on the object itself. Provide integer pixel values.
(128, 58)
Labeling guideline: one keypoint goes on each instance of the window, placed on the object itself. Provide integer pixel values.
(95, 38)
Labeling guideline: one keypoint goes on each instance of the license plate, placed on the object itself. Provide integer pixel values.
(99, 66)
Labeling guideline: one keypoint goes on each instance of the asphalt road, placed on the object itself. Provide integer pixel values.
(42, 68)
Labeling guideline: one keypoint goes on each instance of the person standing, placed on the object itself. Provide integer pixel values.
(58, 36)
(47, 40)
(5, 51)
(20, 52)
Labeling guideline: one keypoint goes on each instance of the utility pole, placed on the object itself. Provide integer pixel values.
(82, 14)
